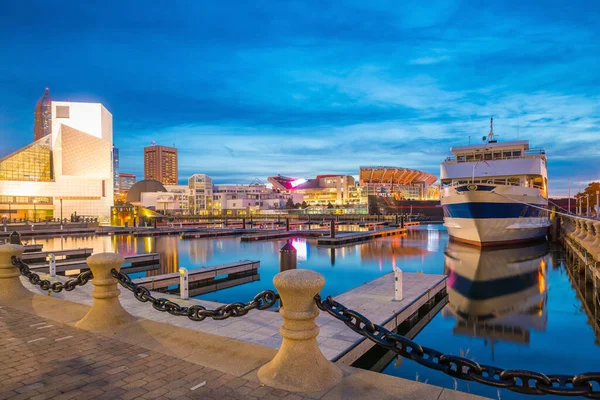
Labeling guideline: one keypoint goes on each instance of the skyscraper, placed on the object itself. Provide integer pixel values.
(160, 164)
(42, 116)
(116, 169)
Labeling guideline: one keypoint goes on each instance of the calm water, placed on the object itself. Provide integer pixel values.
(512, 308)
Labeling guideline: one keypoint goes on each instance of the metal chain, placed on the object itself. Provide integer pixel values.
(45, 284)
(520, 381)
(261, 301)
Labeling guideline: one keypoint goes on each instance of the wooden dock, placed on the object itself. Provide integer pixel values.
(41, 256)
(214, 233)
(271, 235)
(242, 267)
(134, 263)
(375, 300)
(30, 248)
(342, 239)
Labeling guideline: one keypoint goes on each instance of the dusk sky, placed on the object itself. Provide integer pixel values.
(250, 89)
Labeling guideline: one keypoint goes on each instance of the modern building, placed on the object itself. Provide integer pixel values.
(160, 164)
(324, 190)
(395, 190)
(242, 200)
(126, 181)
(42, 116)
(115, 155)
(68, 171)
(201, 195)
(400, 183)
(175, 201)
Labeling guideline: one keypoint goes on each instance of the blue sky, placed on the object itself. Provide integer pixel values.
(252, 89)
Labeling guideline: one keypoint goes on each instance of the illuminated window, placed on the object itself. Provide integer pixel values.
(62, 112)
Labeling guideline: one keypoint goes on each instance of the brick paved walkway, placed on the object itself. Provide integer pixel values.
(43, 359)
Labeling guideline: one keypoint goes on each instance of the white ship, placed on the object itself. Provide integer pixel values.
(495, 193)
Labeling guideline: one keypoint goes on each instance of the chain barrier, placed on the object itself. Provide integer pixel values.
(520, 381)
(261, 301)
(45, 284)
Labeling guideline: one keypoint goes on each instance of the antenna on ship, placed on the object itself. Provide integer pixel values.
(490, 136)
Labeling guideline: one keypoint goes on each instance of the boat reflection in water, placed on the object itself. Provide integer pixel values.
(497, 294)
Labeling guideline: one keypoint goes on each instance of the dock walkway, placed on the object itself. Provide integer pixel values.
(342, 239)
(40, 256)
(270, 235)
(133, 263)
(200, 274)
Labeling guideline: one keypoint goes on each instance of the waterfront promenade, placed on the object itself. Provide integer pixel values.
(152, 358)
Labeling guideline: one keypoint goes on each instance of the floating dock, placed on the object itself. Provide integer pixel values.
(134, 263)
(271, 235)
(41, 256)
(375, 300)
(214, 233)
(243, 267)
(342, 239)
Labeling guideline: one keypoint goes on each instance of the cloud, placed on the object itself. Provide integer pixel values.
(249, 90)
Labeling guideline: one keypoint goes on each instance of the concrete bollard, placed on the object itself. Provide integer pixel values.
(184, 284)
(287, 257)
(106, 312)
(299, 365)
(11, 287)
(397, 284)
(52, 264)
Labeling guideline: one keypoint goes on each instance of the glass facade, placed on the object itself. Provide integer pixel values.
(32, 163)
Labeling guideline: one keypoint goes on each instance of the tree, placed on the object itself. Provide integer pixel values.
(329, 206)
(289, 204)
(304, 205)
(588, 193)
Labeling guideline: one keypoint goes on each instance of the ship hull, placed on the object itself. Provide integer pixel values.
(494, 215)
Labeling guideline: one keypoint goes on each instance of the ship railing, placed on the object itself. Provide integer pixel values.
(485, 182)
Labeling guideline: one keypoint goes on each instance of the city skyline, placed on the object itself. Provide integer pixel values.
(256, 90)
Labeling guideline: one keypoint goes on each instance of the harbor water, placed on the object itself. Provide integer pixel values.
(514, 308)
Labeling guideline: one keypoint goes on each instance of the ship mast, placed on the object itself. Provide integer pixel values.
(491, 134)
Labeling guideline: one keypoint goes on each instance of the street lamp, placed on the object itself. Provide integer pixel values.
(61, 217)
(34, 211)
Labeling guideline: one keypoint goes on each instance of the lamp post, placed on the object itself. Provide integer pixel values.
(597, 203)
(61, 215)
(34, 210)
(587, 205)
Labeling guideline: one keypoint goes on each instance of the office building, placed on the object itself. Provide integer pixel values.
(160, 164)
(126, 181)
(115, 155)
(67, 171)
(201, 194)
(42, 116)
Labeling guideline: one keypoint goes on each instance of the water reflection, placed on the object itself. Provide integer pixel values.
(498, 295)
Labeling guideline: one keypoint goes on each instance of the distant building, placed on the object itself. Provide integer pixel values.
(201, 194)
(68, 170)
(242, 200)
(320, 191)
(160, 164)
(399, 183)
(116, 169)
(126, 181)
(42, 116)
(175, 201)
